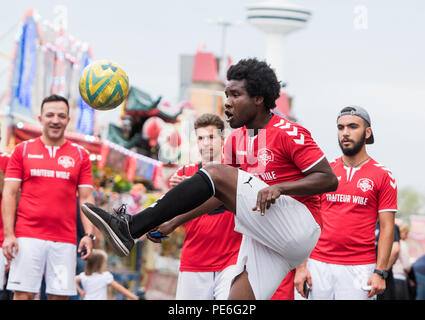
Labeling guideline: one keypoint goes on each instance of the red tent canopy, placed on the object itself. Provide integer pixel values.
(27, 131)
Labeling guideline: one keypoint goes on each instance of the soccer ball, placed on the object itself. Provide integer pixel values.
(103, 85)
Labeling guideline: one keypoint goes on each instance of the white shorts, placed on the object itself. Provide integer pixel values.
(205, 285)
(339, 282)
(35, 258)
(3, 263)
(272, 244)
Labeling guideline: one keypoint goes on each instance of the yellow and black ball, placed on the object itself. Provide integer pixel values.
(103, 85)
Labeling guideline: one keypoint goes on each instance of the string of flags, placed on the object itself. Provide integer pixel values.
(133, 163)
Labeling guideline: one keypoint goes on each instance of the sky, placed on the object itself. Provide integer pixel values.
(330, 64)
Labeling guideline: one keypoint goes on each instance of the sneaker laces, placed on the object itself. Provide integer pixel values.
(121, 210)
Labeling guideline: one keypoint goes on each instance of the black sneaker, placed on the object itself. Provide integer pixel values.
(114, 227)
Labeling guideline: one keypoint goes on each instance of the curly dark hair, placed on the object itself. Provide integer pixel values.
(260, 78)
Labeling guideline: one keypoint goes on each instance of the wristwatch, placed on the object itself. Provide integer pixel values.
(92, 236)
(382, 273)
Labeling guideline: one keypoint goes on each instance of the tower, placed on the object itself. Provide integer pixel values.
(277, 18)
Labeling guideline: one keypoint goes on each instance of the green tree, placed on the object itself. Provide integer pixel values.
(410, 202)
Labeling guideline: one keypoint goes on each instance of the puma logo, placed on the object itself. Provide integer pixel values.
(248, 182)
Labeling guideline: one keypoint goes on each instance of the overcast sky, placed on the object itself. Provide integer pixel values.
(330, 64)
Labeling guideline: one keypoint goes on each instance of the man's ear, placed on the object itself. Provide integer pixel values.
(368, 132)
(259, 100)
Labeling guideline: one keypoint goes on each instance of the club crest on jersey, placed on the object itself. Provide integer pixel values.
(365, 184)
(265, 156)
(66, 162)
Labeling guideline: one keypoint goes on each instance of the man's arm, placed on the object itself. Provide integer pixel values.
(302, 274)
(319, 179)
(1, 181)
(169, 226)
(386, 239)
(85, 194)
(9, 203)
(385, 244)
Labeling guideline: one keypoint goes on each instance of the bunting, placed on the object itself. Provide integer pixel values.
(134, 164)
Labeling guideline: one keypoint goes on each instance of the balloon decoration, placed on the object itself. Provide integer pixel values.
(152, 129)
(165, 136)
(169, 144)
(174, 139)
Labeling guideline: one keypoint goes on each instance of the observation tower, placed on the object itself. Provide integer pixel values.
(277, 18)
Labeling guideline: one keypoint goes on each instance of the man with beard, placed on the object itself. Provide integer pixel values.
(272, 176)
(344, 264)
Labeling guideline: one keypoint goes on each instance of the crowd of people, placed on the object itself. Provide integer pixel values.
(266, 215)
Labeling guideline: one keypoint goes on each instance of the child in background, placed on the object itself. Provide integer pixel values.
(95, 279)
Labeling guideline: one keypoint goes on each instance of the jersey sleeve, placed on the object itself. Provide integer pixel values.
(388, 193)
(15, 168)
(229, 155)
(179, 172)
(86, 176)
(4, 159)
(302, 149)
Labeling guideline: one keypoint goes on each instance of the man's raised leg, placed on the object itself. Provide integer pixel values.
(120, 229)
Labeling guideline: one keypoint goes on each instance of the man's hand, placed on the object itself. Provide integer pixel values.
(175, 180)
(165, 229)
(302, 274)
(265, 198)
(10, 247)
(87, 243)
(377, 283)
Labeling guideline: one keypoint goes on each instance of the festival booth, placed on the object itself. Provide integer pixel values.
(48, 60)
(152, 126)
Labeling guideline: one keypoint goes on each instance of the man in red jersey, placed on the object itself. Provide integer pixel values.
(274, 197)
(4, 159)
(211, 246)
(50, 171)
(344, 264)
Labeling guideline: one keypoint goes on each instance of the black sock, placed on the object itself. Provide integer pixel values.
(186, 196)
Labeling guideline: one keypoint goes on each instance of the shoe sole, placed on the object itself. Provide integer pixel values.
(110, 236)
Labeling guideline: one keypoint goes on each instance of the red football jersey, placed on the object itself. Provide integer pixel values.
(4, 158)
(349, 214)
(50, 178)
(285, 291)
(281, 151)
(210, 244)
